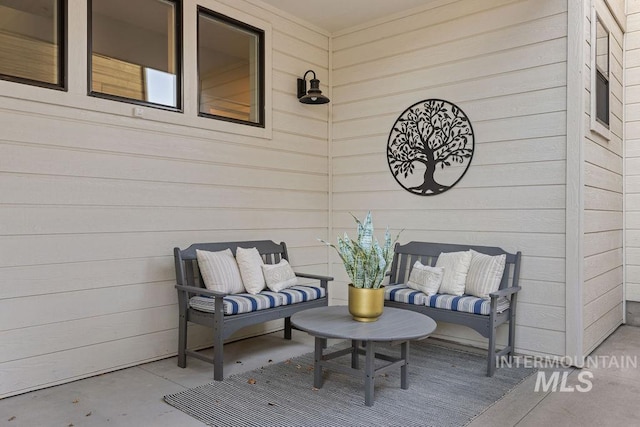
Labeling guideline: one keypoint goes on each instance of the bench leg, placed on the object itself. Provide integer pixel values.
(287, 328)
(491, 362)
(512, 339)
(218, 356)
(182, 341)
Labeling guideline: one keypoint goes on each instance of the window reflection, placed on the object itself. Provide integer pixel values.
(134, 50)
(31, 45)
(230, 69)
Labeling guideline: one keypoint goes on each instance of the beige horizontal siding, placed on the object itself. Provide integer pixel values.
(504, 64)
(94, 201)
(603, 200)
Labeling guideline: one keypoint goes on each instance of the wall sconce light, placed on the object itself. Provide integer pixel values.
(314, 96)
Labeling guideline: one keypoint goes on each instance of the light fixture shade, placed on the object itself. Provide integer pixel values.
(314, 95)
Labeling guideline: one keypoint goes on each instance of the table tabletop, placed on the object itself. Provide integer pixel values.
(334, 321)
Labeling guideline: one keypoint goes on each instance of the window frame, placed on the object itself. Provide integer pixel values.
(598, 126)
(179, 40)
(62, 85)
(262, 38)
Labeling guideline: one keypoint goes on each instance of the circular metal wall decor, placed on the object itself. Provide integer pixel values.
(430, 147)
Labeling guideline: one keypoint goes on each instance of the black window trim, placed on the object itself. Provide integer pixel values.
(179, 64)
(63, 8)
(261, 67)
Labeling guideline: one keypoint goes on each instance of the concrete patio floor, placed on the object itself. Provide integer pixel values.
(133, 397)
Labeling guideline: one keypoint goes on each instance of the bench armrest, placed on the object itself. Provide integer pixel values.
(201, 291)
(505, 292)
(314, 276)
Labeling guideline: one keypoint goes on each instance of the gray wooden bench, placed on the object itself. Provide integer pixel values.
(191, 289)
(486, 324)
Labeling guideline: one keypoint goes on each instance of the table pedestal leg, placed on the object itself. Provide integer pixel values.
(317, 365)
(404, 355)
(355, 363)
(369, 373)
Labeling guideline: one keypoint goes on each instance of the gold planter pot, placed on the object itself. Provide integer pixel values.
(366, 305)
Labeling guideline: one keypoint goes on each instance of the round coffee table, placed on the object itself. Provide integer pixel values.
(395, 325)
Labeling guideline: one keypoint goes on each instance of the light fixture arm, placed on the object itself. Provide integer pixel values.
(305, 75)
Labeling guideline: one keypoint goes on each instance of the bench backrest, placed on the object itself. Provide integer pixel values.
(427, 253)
(186, 262)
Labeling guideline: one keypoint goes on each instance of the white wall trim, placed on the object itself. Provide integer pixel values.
(624, 171)
(76, 51)
(330, 162)
(575, 179)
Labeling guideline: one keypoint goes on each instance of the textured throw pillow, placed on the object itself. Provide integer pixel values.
(279, 276)
(485, 274)
(425, 278)
(220, 271)
(250, 264)
(456, 265)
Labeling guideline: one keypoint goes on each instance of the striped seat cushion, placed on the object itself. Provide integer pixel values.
(464, 303)
(238, 303)
(300, 293)
(402, 293)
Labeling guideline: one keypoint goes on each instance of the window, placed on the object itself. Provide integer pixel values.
(32, 42)
(602, 73)
(135, 51)
(230, 69)
(600, 65)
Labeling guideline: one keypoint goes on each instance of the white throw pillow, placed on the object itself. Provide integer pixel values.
(485, 274)
(250, 264)
(279, 276)
(220, 271)
(425, 278)
(456, 265)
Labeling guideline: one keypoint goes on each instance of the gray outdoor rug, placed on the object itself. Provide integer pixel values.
(446, 388)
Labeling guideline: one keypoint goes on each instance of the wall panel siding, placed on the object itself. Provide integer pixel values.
(94, 201)
(504, 64)
(76, 363)
(603, 198)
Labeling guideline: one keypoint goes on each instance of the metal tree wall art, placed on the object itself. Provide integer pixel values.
(430, 147)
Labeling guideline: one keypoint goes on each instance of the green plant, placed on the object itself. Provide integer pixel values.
(364, 259)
